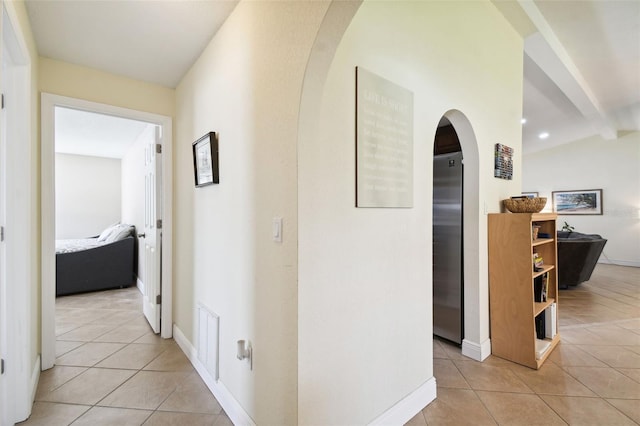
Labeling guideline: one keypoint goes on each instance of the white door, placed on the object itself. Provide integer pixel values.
(3, 288)
(152, 230)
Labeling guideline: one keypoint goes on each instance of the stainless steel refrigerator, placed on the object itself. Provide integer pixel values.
(447, 247)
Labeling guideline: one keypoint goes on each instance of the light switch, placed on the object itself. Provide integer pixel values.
(276, 228)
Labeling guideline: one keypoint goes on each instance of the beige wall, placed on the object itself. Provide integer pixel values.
(65, 79)
(246, 86)
(365, 277)
(363, 321)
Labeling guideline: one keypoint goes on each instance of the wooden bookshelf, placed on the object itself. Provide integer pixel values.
(511, 284)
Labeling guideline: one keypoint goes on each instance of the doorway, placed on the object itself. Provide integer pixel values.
(448, 265)
(164, 134)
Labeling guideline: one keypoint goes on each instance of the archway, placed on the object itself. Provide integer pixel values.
(325, 117)
(475, 342)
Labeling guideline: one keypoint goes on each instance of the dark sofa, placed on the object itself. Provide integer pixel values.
(107, 262)
(577, 257)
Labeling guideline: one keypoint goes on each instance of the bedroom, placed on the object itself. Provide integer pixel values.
(99, 182)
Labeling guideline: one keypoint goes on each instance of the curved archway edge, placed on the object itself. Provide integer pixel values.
(476, 344)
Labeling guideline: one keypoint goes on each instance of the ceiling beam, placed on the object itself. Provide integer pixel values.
(547, 51)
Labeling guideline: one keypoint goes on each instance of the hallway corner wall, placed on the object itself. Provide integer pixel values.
(246, 87)
(365, 295)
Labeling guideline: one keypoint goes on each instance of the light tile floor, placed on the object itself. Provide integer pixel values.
(112, 370)
(591, 378)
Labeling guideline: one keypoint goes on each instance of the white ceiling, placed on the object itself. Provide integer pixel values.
(581, 62)
(98, 135)
(151, 40)
(581, 68)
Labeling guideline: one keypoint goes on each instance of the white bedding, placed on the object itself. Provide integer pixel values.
(70, 246)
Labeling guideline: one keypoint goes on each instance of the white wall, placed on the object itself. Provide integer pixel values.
(365, 275)
(133, 188)
(22, 214)
(594, 163)
(88, 195)
(246, 86)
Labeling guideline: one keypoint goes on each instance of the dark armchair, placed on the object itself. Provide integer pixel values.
(577, 257)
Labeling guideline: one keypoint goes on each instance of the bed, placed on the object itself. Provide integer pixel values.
(100, 263)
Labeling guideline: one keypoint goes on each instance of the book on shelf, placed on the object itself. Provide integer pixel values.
(537, 262)
(537, 289)
(541, 287)
(540, 326)
(550, 321)
(541, 347)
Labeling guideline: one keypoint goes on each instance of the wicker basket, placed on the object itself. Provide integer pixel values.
(525, 205)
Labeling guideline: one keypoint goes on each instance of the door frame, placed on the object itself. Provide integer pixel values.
(48, 104)
(21, 373)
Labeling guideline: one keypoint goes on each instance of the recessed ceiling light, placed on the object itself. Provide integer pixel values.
(543, 135)
(523, 120)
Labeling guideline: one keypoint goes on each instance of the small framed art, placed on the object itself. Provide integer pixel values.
(205, 160)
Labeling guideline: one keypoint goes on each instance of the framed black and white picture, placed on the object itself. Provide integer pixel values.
(205, 160)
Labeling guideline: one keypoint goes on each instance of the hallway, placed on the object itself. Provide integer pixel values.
(111, 369)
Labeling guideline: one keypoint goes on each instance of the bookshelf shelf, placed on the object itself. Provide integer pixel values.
(519, 324)
(539, 307)
(545, 268)
(540, 241)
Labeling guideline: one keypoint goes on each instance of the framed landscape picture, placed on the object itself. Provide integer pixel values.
(588, 201)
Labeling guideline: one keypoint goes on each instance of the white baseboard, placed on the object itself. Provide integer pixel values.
(35, 378)
(409, 406)
(231, 406)
(476, 351)
(140, 285)
(25, 412)
(619, 262)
